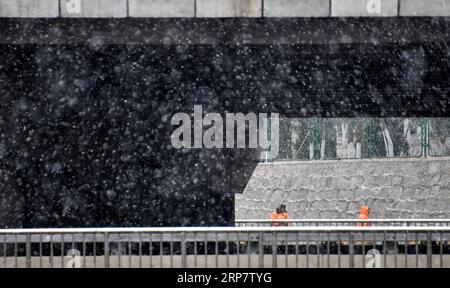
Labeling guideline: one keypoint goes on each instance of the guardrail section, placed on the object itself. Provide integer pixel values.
(227, 247)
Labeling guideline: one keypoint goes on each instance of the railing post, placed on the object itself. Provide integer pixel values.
(261, 250)
(183, 251)
(106, 248)
(274, 250)
(351, 251)
(429, 251)
(28, 251)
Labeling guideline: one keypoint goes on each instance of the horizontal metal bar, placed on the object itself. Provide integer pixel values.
(345, 220)
(212, 237)
(229, 229)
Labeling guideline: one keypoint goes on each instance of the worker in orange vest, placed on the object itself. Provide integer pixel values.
(364, 214)
(279, 214)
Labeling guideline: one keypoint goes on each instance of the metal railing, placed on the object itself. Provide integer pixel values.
(356, 138)
(342, 222)
(235, 247)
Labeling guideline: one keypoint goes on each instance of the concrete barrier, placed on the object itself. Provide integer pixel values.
(229, 8)
(425, 8)
(161, 8)
(222, 8)
(364, 8)
(297, 8)
(29, 8)
(94, 9)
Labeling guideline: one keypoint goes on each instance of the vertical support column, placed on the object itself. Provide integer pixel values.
(28, 251)
(106, 248)
(369, 138)
(317, 139)
(351, 251)
(262, 8)
(183, 251)
(266, 140)
(427, 126)
(261, 250)
(429, 251)
(274, 250)
(425, 139)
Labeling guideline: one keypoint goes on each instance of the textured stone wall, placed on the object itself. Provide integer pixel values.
(393, 188)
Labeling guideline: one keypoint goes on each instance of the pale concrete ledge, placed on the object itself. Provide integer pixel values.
(229, 8)
(296, 8)
(222, 8)
(94, 8)
(162, 8)
(29, 8)
(364, 8)
(425, 8)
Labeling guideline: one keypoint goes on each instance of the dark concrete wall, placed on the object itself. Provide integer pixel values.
(85, 129)
(225, 31)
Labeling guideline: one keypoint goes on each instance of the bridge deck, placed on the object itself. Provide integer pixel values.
(231, 261)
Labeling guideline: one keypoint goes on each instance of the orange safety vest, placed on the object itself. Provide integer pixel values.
(364, 214)
(279, 216)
